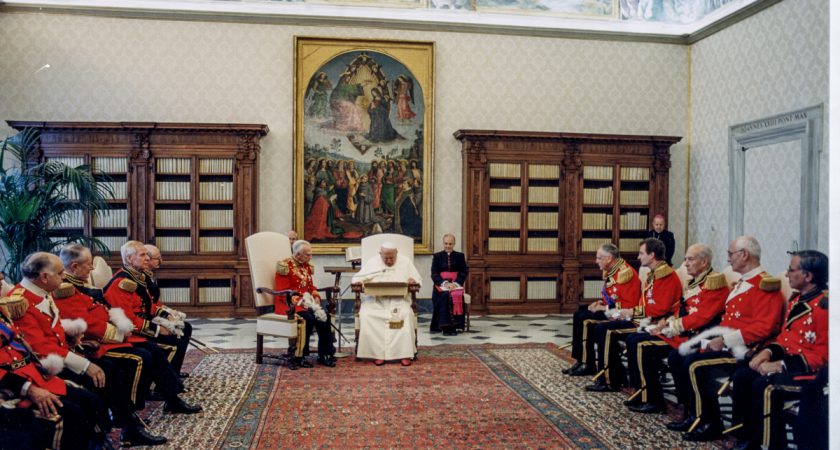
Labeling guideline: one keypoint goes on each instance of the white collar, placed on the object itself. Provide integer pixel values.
(30, 286)
(752, 273)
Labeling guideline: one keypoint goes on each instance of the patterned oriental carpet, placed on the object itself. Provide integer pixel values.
(484, 396)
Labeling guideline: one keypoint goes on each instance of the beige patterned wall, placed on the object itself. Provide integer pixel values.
(771, 63)
(109, 69)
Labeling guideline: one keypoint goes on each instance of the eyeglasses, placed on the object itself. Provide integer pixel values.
(732, 253)
(791, 269)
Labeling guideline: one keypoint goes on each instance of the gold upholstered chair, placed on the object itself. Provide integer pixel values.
(370, 248)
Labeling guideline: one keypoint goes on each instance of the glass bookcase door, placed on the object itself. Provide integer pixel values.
(504, 221)
(173, 205)
(215, 205)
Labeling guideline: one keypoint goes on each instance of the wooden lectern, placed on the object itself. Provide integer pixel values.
(385, 288)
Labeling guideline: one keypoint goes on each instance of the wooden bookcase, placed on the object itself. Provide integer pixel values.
(537, 205)
(191, 189)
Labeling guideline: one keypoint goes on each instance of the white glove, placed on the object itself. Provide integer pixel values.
(169, 325)
(311, 304)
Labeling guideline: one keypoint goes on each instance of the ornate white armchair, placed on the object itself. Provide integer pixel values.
(264, 249)
(101, 273)
(731, 276)
(370, 248)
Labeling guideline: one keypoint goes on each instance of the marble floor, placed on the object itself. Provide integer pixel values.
(497, 329)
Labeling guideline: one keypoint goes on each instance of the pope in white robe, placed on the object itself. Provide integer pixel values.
(380, 337)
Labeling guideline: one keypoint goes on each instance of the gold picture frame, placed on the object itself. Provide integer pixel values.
(363, 141)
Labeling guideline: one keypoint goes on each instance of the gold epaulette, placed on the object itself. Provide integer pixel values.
(770, 283)
(15, 304)
(128, 285)
(662, 271)
(625, 275)
(64, 290)
(714, 281)
(283, 266)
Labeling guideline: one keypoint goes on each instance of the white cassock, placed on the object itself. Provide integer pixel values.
(377, 340)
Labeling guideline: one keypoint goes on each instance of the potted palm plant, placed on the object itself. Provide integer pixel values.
(38, 197)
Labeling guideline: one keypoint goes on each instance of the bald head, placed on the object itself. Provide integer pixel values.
(44, 269)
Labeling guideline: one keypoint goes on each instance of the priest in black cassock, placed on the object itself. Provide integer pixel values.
(449, 271)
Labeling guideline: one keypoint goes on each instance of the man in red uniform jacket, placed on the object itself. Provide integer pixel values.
(124, 293)
(129, 289)
(781, 369)
(701, 307)
(660, 298)
(295, 273)
(621, 286)
(752, 315)
(109, 331)
(21, 374)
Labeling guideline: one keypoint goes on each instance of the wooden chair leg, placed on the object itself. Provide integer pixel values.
(259, 348)
(467, 315)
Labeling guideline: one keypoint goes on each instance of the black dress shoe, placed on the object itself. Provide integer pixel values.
(681, 425)
(745, 445)
(179, 406)
(704, 432)
(450, 333)
(305, 363)
(154, 396)
(574, 367)
(328, 361)
(600, 387)
(648, 408)
(582, 371)
(136, 435)
(184, 375)
(636, 401)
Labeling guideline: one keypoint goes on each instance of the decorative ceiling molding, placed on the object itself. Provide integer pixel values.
(403, 18)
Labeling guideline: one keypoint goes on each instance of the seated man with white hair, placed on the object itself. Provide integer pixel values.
(387, 327)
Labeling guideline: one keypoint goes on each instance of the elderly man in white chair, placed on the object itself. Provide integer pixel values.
(387, 327)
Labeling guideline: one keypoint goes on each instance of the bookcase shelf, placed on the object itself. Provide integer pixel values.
(177, 185)
(537, 206)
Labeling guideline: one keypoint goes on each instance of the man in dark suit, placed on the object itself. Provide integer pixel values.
(667, 238)
(449, 271)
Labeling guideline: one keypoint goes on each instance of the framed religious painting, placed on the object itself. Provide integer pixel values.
(363, 136)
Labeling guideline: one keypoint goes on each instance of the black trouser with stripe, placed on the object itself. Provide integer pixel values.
(178, 346)
(136, 365)
(325, 336)
(759, 400)
(161, 372)
(697, 380)
(810, 430)
(115, 394)
(583, 330)
(21, 430)
(608, 335)
(644, 358)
